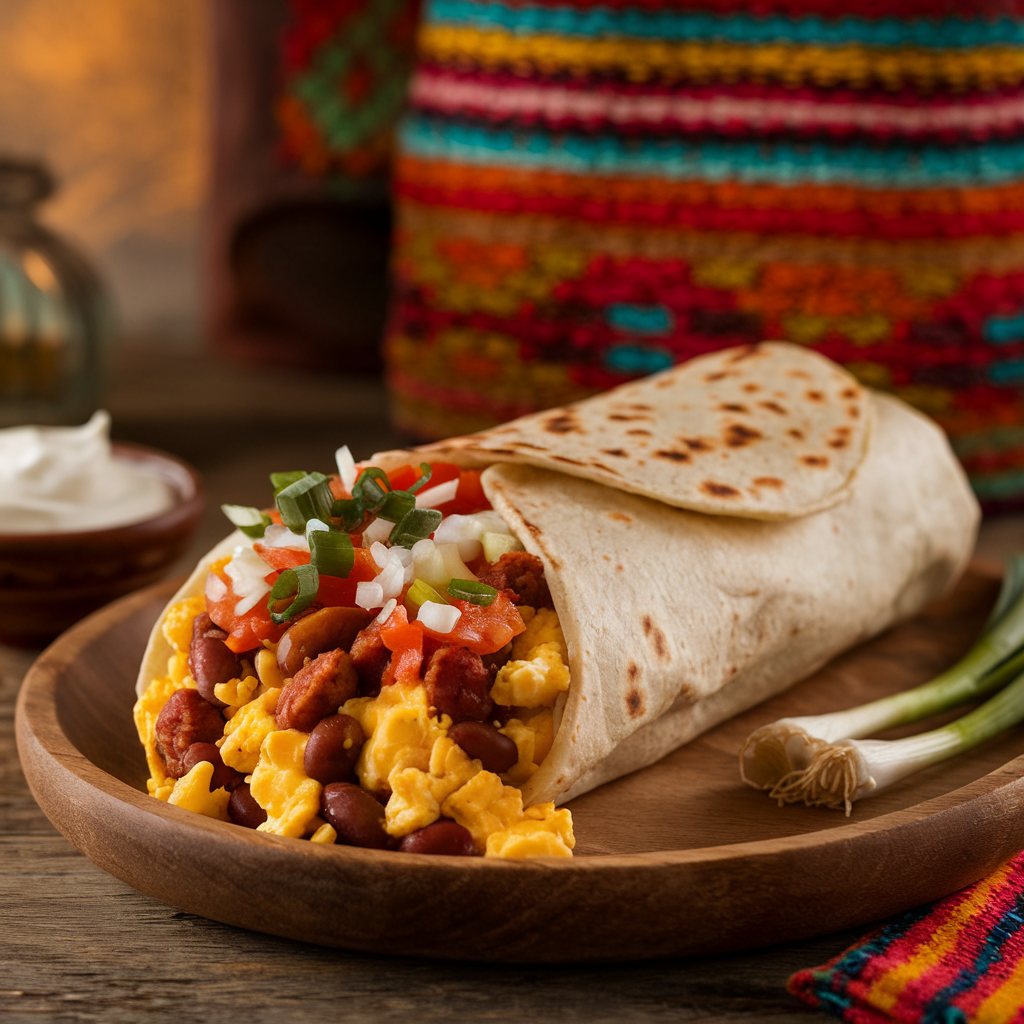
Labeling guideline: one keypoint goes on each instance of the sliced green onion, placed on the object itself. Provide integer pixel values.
(396, 505)
(282, 480)
(251, 521)
(782, 756)
(305, 499)
(371, 489)
(331, 552)
(419, 484)
(300, 583)
(417, 524)
(472, 591)
(420, 592)
(349, 511)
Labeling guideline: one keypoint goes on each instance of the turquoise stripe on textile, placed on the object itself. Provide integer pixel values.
(779, 163)
(736, 28)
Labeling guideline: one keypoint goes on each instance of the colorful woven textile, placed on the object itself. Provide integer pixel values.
(959, 961)
(590, 191)
(345, 67)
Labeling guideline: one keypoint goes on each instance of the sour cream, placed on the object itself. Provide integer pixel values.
(65, 479)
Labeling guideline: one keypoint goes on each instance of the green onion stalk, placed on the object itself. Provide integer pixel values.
(818, 760)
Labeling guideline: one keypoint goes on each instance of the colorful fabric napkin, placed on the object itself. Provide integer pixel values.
(957, 961)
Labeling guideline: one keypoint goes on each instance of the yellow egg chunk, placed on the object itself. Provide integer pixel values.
(236, 693)
(416, 796)
(281, 786)
(246, 730)
(542, 627)
(545, 832)
(484, 805)
(400, 733)
(177, 625)
(146, 711)
(324, 833)
(535, 682)
(533, 738)
(192, 793)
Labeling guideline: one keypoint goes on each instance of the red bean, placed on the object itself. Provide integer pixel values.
(223, 776)
(243, 809)
(356, 816)
(333, 749)
(210, 660)
(443, 837)
(495, 751)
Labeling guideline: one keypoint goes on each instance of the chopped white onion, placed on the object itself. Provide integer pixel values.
(422, 548)
(314, 526)
(278, 536)
(392, 579)
(369, 595)
(439, 495)
(216, 588)
(385, 612)
(346, 467)
(379, 530)
(246, 571)
(405, 557)
(441, 618)
(466, 531)
(381, 554)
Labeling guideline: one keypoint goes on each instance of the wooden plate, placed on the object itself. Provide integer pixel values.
(680, 858)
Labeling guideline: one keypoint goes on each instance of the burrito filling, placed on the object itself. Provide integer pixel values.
(378, 666)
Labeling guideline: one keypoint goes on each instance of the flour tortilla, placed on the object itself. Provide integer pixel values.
(766, 431)
(710, 613)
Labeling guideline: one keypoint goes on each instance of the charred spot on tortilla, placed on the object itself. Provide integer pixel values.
(719, 375)
(718, 490)
(538, 535)
(648, 624)
(501, 451)
(815, 396)
(638, 432)
(854, 412)
(571, 462)
(563, 423)
(798, 434)
(633, 671)
(732, 407)
(814, 460)
(798, 374)
(696, 444)
(620, 517)
(641, 407)
(634, 703)
(848, 393)
(660, 644)
(526, 444)
(673, 456)
(617, 452)
(620, 417)
(751, 388)
(746, 353)
(737, 435)
(602, 466)
(768, 481)
(773, 407)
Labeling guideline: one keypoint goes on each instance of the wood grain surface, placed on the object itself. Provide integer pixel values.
(79, 945)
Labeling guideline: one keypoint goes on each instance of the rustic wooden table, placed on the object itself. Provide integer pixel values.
(78, 945)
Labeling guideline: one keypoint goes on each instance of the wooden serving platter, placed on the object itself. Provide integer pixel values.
(680, 858)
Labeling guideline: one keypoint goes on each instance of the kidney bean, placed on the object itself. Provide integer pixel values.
(523, 574)
(185, 719)
(444, 837)
(325, 630)
(243, 809)
(333, 749)
(210, 660)
(316, 690)
(458, 684)
(356, 816)
(223, 776)
(493, 749)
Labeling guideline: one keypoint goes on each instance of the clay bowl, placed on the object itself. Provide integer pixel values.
(49, 581)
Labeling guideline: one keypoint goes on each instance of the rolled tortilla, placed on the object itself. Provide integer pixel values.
(683, 605)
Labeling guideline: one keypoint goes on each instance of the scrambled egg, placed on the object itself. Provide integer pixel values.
(407, 754)
(281, 786)
(538, 673)
(192, 793)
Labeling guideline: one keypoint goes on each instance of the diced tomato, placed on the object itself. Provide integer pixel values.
(281, 558)
(403, 477)
(405, 640)
(248, 631)
(337, 487)
(468, 498)
(338, 592)
(484, 630)
(275, 516)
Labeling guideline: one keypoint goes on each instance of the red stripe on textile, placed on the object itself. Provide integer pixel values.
(709, 218)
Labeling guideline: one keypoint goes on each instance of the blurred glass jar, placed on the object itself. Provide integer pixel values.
(55, 317)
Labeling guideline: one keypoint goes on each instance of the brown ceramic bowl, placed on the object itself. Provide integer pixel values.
(49, 581)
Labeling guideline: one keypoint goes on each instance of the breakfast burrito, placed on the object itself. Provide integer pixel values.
(436, 649)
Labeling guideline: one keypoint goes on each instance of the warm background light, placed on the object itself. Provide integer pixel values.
(112, 94)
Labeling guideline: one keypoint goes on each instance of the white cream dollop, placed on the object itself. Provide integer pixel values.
(65, 479)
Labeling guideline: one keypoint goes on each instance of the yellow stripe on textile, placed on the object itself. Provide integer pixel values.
(885, 992)
(642, 60)
(1004, 1004)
